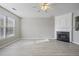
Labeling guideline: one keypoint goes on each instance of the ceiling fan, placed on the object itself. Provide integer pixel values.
(44, 7)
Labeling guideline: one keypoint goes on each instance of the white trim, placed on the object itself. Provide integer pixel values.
(76, 43)
(4, 26)
(38, 38)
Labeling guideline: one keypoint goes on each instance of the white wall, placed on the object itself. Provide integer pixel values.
(64, 23)
(17, 29)
(38, 28)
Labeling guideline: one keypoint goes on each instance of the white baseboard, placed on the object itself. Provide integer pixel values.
(38, 38)
(76, 43)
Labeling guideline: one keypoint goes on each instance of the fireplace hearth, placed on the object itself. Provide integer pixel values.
(63, 36)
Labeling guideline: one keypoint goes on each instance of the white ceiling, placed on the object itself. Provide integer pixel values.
(32, 9)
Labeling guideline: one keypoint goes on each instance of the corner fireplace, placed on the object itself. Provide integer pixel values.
(63, 36)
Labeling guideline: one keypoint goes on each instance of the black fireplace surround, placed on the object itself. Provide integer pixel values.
(63, 36)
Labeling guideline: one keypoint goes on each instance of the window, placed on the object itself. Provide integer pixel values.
(7, 27)
(10, 27)
(2, 26)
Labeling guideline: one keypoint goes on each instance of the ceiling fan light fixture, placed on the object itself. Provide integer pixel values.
(44, 6)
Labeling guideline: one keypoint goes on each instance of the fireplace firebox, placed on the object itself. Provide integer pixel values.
(63, 36)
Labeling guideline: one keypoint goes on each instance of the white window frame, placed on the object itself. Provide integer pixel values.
(13, 20)
(5, 19)
(3, 27)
